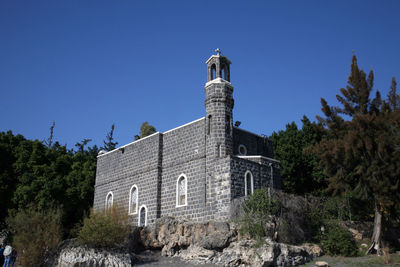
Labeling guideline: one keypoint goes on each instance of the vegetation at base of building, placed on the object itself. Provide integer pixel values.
(297, 219)
(35, 233)
(338, 241)
(105, 229)
(259, 208)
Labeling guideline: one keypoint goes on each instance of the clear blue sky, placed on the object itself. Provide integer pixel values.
(89, 64)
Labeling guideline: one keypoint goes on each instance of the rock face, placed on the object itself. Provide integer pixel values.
(248, 253)
(217, 243)
(202, 243)
(172, 235)
(70, 255)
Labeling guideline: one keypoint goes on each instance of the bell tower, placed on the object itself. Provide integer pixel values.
(219, 105)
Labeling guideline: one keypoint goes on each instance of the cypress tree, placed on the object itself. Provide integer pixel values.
(360, 154)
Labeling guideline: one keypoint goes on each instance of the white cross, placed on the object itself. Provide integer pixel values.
(218, 51)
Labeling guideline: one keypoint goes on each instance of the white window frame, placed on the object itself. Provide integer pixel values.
(245, 182)
(130, 212)
(112, 200)
(145, 217)
(177, 190)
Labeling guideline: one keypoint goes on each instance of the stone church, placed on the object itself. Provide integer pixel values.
(195, 171)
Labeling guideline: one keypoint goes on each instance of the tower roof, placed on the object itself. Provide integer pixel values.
(218, 56)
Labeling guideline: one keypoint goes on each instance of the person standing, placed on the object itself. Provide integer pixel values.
(13, 257)
(7, 255)
(1, 254)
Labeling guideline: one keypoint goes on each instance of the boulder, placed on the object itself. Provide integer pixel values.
(71, 255)
(321, 264)
(172, 235)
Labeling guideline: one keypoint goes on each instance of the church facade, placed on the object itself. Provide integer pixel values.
(195, 171)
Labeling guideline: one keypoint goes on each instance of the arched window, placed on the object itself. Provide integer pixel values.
(181, 191)
(142, 218)
(109, 200)
(248, 183)
(133, 200)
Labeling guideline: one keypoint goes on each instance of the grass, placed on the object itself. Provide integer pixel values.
(368, 261)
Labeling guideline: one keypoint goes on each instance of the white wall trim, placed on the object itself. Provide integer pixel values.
(118, 148)
(177, 190)
(176, 128)
(130, 212)
(257, 157)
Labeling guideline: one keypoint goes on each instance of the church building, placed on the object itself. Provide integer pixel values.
(195, 171)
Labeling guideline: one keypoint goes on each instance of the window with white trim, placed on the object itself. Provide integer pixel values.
(181, 191)
(133, 200)
(142, 218)
(109, 200)
(248, 183)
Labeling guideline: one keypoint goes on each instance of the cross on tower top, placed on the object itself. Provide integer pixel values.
(218, 51)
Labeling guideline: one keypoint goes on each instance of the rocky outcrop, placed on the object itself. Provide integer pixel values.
(218, 243)
(71, 255)
(202, 243)
(172, 235)
(248, 253)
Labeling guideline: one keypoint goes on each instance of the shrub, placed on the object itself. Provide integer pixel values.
(338, 241)
(258, 209)
(104, 229)
(35, 234)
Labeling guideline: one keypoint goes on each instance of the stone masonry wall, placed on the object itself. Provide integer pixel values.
(261, 175)
(184, 153)
(254, 143)
(133, 164)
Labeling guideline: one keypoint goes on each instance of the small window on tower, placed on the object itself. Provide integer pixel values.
(209, 125)
(228, 124)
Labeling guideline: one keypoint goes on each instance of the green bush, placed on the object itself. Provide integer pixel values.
(338, 241)
(258, 209)
(35, 234)
(104, 229)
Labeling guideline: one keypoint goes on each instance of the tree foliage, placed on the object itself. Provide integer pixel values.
(35, 234)
(32, 172)
(360, 153)
(299, 169)
(145, 130)
(109, 143)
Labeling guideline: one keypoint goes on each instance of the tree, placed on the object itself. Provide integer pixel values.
(81, 145)
(109, 143)
(299, 170)
(32, 172)
(49, 141)
(145, 130)
(360, 154)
